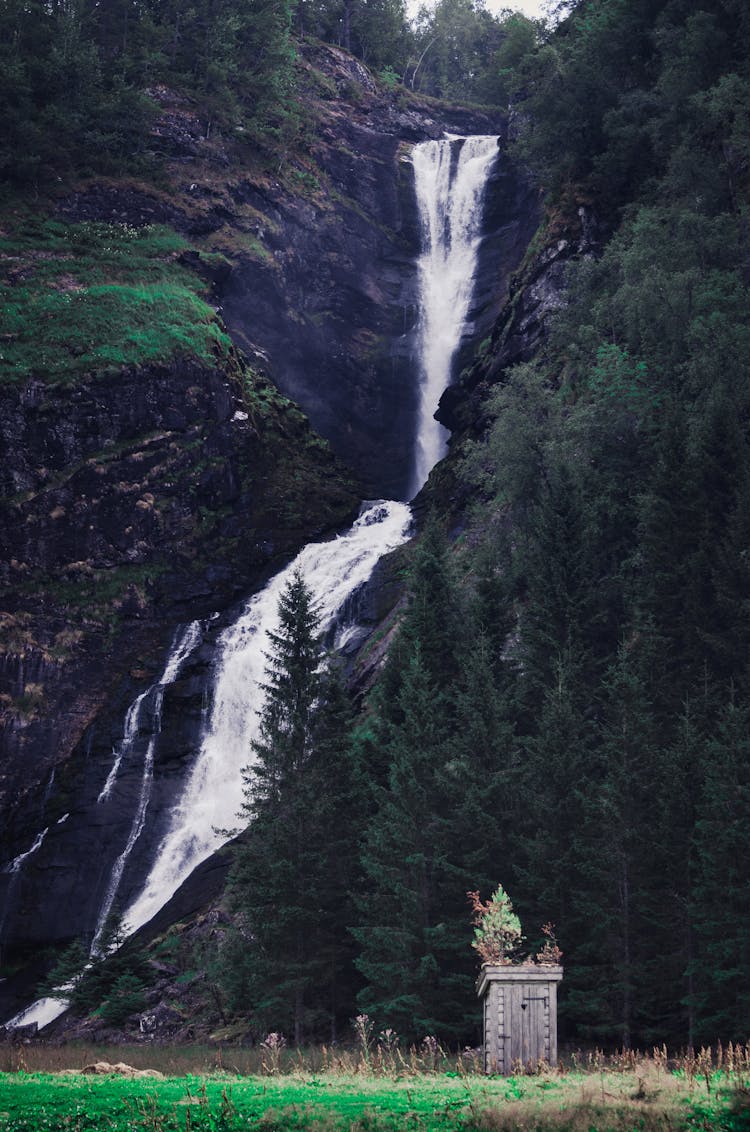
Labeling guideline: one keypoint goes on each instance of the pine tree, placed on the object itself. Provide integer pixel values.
(721, 970)
(553, 763)
(290, 881)
(676, 782)
(400, 860)
(441, 806)
(559, 616)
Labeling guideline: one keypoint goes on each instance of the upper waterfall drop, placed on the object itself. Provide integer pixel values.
(450, 178)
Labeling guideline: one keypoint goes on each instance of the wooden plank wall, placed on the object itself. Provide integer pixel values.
(520, 1022)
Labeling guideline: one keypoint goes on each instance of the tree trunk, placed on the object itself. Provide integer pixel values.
(346, 31)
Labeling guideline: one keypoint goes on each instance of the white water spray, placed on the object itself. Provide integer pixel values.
(45, 1010)
(17, 863)
(450, 177)
(211, 799)
(126, 744)
(184, 642)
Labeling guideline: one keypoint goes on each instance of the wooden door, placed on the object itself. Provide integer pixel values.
(534, 1025)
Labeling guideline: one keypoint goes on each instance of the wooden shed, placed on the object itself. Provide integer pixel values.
(520, 1015)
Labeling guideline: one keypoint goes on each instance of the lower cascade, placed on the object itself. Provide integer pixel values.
(183, 644)
(210, 800)
(334, 571)
(450, 180)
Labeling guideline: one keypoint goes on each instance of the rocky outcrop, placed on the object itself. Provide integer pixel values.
(532, 294)
(322, 248)
(333, 303)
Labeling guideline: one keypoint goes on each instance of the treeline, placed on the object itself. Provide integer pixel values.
(78, 80)
(616, 478)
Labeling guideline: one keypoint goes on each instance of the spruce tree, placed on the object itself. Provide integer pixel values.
(401, 927)
(554, 762)
(612, 856)
(289, 883)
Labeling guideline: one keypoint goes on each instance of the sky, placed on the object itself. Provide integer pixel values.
(531, 8)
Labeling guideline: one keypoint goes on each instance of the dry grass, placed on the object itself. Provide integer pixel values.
(646, 1073)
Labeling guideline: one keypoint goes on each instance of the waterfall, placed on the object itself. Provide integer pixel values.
(450, 177)
(211, 799)
(126, 744)
(185, 640)
(16, 864)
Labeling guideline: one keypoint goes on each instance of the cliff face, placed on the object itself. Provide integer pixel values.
(135, 502)
(534, 291)
(144, 497)
(333, 304)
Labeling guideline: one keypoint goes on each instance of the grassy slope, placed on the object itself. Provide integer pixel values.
(648, 1099)
(79, 298)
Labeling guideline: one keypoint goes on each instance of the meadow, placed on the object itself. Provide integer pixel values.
(199, 1089)
(89, 297)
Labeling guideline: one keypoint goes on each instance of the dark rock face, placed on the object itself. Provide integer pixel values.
(134, 502)
(530, 298)
(58, 893)
(334, 304)
(511, 218)
(335, 308)
(102, 483)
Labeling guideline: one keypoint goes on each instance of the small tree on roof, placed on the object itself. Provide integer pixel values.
(497, 929)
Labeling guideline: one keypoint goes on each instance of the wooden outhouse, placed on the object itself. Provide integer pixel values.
(520, 1015)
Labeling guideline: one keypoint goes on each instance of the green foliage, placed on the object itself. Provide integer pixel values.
(70, 100)
(375, 30)
(108, 980)
(453, 51)
(497, 929)
(73, 79)
(389, 78)
(618, 461)
(440, 753)
(125, 998)
(291, 965)
(623, 96)
(722, 810)
(85, 297)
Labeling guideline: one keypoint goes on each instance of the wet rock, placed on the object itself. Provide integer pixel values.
(20, 1035)
(112, 482)
(333, 302)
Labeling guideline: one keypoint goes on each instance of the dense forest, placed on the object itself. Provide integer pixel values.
(565, 707)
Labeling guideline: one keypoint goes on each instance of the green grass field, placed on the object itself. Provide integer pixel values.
(647, 1096)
